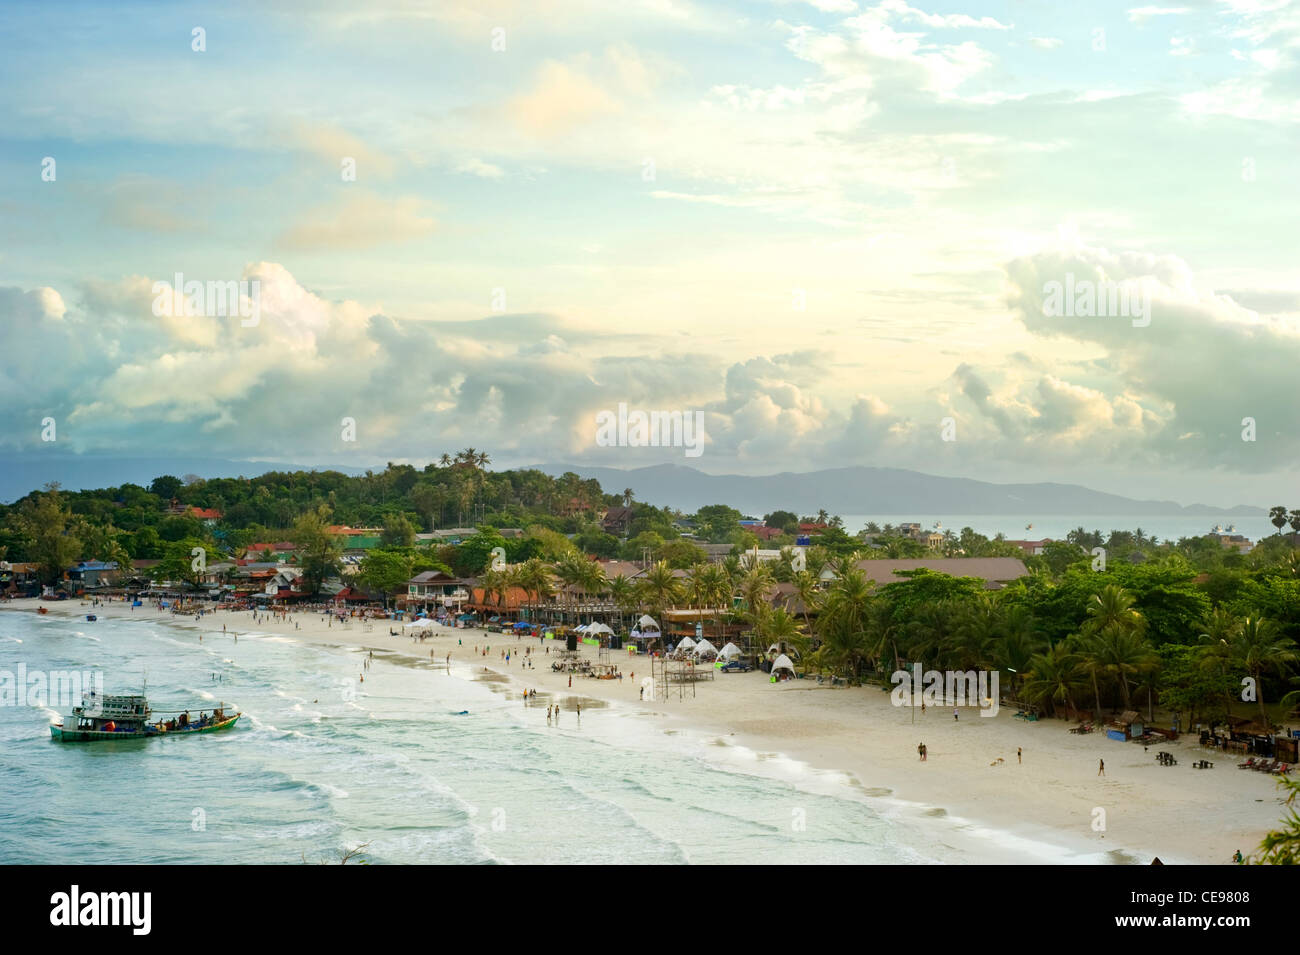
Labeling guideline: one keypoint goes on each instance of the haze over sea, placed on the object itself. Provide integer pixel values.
(321, 762)
(1164, 527)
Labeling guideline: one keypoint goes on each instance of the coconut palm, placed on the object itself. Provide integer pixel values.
(1258, 648)
(659, 589)
(844, 620)
(754, 586)
(809, 594)
(623, 592)
(1055, 677)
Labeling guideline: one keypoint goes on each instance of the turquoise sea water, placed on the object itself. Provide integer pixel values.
(320, 763)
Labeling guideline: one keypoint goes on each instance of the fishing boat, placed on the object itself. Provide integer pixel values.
(126, 717)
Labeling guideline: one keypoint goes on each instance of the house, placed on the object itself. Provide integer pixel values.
(765, 533)
(19, 577)
(1237, 542)
(208, 515)
(280, 549)
(90, 574)
(617, 521)
(433, 588)
(1032, 548)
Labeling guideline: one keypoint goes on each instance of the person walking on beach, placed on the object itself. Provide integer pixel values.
(1101, 767)
(954, 714)
(570, 680)
(925, 752)
(1018, 754)
(920, 748)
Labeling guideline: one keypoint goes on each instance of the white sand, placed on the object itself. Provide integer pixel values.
(1178, 813)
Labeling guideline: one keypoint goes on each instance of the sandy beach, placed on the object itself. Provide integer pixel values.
(1137, 811)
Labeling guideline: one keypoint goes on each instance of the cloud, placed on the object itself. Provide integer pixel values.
(361, 220)
(562, 97)
(484, 170)
(333, 144)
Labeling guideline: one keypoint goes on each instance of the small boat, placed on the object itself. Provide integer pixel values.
(42, 610)
(91, 618)
(101, 718)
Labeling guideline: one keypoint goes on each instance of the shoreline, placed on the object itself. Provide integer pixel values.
(1052, 799)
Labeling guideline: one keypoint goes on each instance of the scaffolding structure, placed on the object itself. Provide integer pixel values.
(677, 677)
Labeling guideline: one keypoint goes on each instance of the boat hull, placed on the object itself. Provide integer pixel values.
(99, 736)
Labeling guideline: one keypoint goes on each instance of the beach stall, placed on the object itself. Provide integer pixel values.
(1127, 726)
(782, 668)
(705, 650)
(729, 652)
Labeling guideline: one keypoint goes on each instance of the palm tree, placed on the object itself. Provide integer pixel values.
(1218, 630)
(1021, 640)
(1055, 677)
(777, 626)
(568, 571)
(659, 589)
(1112, 641)
(711, 589)
(1258, 647)
(627, 497)
(754, 587)
(809, 594)
(623, 592)
(1277, 517)
(845, 618)
(444, 461)
(1294, 520)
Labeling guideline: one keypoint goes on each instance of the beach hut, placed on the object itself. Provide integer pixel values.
(782, 663)
(729, 652)
(596, 629)
(1128, 726)
(648, 625)
(705, 650)
(686, 644)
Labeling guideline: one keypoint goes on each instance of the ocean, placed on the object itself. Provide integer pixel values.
(420, 764)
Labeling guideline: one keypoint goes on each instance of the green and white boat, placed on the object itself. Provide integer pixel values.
(100, 718)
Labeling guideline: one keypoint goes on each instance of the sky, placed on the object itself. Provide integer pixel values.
(830, 227)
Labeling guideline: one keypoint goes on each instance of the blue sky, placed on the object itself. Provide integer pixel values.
(651, 187)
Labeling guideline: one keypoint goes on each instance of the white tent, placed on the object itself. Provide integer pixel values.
(582, 628)
(647, 622)
(423, 622)
(704, 647)
(599, 628)
(729, 651)
(782, 663)
(686, 644)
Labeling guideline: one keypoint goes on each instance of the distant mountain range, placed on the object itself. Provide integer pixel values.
(862, 490)
(855, 490)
